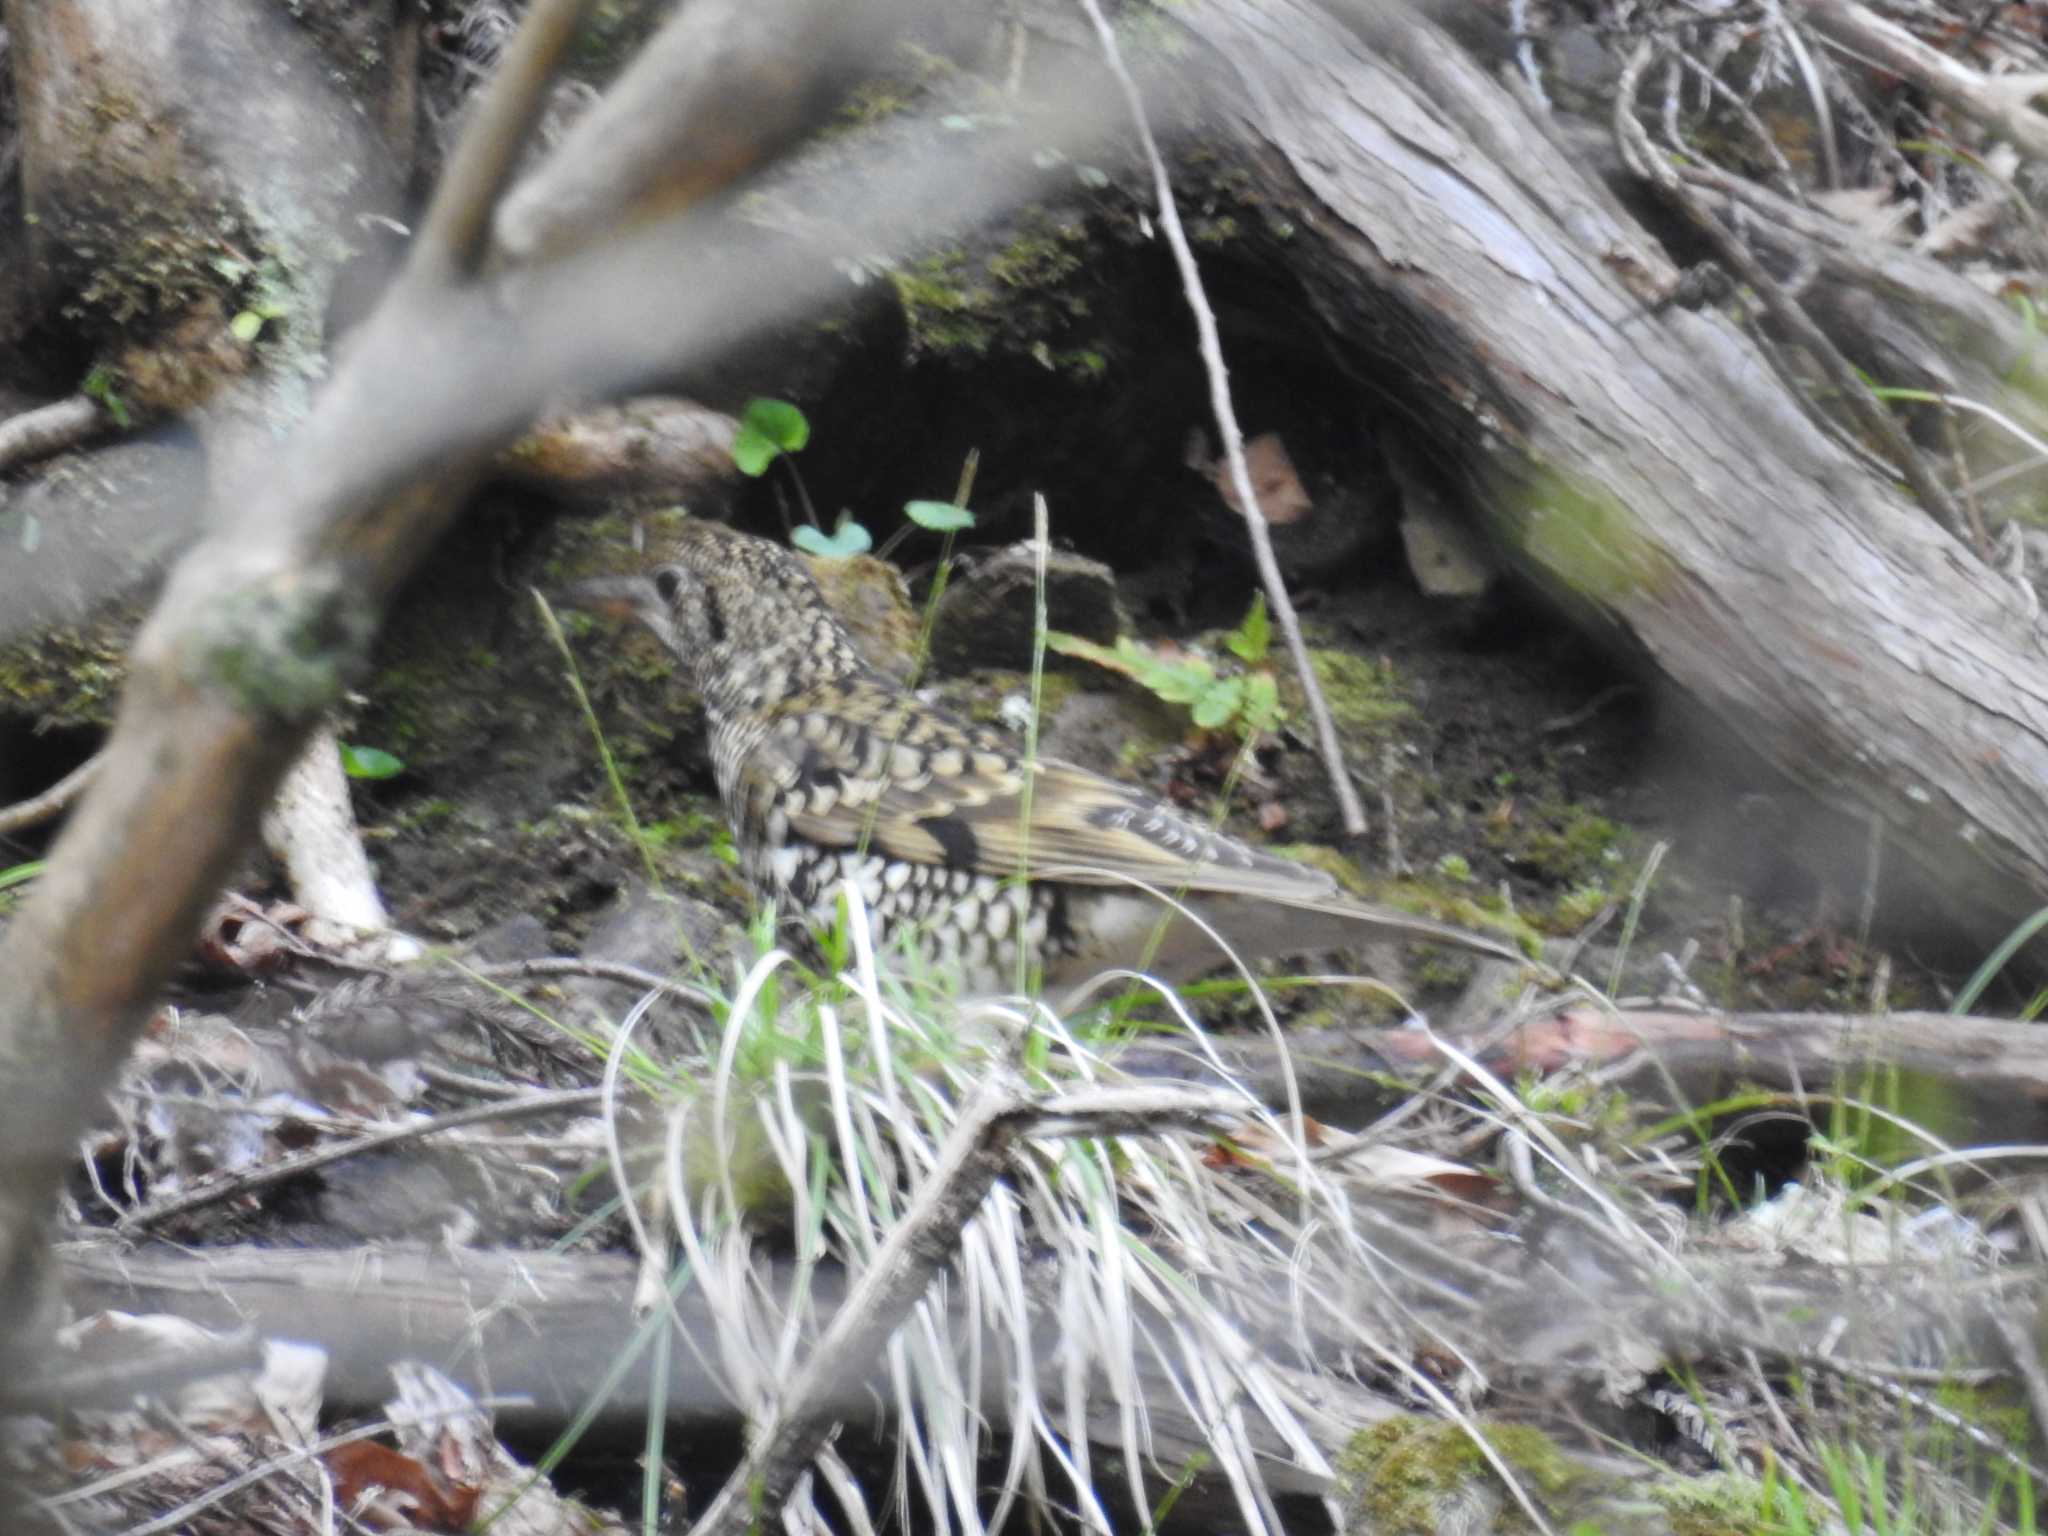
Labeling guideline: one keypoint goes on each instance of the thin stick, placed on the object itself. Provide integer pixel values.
(34, 812)
(1233, 438)
(454, 235)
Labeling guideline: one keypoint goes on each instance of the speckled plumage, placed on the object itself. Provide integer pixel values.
(830, 771)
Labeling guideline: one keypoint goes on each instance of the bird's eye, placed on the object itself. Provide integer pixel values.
(668, 581)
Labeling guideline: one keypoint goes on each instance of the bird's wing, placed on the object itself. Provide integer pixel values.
(882, 770)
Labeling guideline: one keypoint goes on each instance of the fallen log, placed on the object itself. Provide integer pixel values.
(1979, 1079)
(1644, 465)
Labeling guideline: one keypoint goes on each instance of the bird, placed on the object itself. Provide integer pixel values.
(995, 863)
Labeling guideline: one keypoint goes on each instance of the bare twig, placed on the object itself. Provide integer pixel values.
(453, 237)
(973, 1155)
(1870, 413)
(599, 970)
(2000, 104)
(52, 801)
(231, 1186)
(49, 429)
(1348, 805)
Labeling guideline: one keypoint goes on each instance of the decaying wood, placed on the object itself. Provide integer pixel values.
(551, 1328)
(1646, 466)
(2003, 104)
(650, 451)
(1985, 1079)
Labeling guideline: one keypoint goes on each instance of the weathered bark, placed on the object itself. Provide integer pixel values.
(1646, 467)
(1971, 1078)
(551, 1327)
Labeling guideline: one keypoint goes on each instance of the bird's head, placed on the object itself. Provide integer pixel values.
(719, 599)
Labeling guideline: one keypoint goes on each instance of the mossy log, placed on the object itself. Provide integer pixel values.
(1644, 465)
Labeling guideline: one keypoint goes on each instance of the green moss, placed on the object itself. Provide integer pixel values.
(1023, 299)
(943, 311)
(1481, 910)
(424, 816)
(1364, 696)
(1577, 907)
(1405, 1476)
(1590, 544)
(874, 101)
(1562, 843)
(67, 676)
(1717, 1504)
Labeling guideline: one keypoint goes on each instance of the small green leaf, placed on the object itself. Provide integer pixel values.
(844, 542)
(99, 385)
(1262, 710)
(752, 453)
(777, 420)
(1180, 682)
(1251, 639)
(246, 326)
(369, 763)
(1218, 703)
(939, 516)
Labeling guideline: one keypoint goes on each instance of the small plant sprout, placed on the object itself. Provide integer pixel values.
(99, 385)
(1246, 702)
(14, 877)
(938, 516)
(768, 430)
(847, 539)
(771, 430)
(941, 517)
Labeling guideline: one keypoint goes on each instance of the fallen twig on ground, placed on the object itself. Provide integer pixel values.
(1232, 436)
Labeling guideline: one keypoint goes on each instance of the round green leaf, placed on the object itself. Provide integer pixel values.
(752, 453)
(939, 516)
(246, 326)
(778, 421)
(842, 543)
(369, 762)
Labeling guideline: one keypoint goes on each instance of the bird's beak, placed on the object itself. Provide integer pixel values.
(611, 597)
